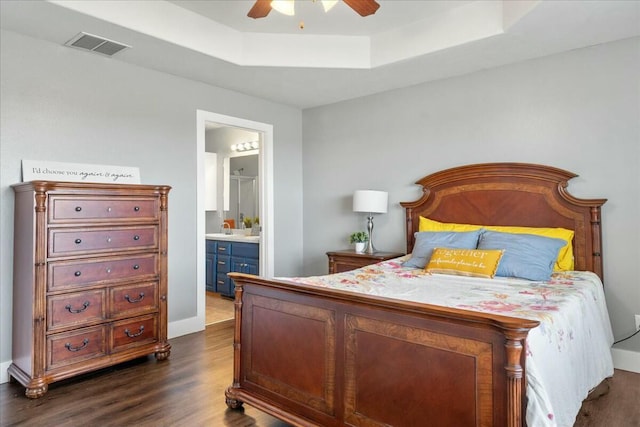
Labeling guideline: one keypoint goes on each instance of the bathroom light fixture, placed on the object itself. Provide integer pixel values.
(245, 146)
(370, 201)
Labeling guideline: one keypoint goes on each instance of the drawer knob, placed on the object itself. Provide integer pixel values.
(85, 305)
(136, 267)
(135, 334)
(136, 237)
(163, 298)
(109, 209)
(108, 239)
(108, 270)
(137, 208)
(78, 208)
(77, 273)
(78, 241)
(80, 347)
(133, 301)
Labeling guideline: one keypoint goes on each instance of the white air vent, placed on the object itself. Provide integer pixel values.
(96, 44)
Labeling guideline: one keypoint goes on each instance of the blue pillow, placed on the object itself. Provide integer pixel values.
(525, 255)
(427, 241)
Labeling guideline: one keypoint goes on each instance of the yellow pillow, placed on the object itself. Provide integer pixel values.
(427, 224)
(465, 262)
(565, 255)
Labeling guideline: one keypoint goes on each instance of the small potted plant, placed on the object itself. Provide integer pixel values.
(359, 238)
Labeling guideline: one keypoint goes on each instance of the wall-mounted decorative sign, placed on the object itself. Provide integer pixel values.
(79, 172)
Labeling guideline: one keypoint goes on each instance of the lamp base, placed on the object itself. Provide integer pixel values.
(370, 249)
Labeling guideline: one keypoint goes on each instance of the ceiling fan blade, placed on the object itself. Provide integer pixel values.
(260, 9)
(363, 7)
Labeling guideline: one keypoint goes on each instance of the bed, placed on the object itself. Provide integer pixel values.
(318, 351)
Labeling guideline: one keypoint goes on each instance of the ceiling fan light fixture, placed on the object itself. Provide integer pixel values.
(328, 4)
(286, 7)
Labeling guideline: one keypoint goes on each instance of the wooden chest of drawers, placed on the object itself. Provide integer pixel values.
(90, 278)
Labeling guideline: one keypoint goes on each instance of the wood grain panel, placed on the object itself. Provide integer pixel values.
(302, 332)
(390, 363)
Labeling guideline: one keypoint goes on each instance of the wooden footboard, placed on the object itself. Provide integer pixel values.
(314, 356)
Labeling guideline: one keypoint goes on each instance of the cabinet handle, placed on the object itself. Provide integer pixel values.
(222, 248)
(85, 305)
(77, 273)
(136, 334)
(136, 237)
(78, 241)
(136, 267)
(221, 263)
(136, 208)
(84, 344)
(78, 208)
(220, 282)
(133, 301)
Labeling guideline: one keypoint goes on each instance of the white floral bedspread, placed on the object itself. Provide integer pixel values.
(567, 354)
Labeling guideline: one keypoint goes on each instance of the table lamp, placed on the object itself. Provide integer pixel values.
(370, 201)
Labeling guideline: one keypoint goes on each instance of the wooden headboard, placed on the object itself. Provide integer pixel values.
(517, 194)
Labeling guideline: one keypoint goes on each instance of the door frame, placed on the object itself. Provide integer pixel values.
(265, 185)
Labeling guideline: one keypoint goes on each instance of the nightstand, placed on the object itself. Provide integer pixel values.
(346, 260)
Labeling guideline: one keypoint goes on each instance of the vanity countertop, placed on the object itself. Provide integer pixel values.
(233, 237)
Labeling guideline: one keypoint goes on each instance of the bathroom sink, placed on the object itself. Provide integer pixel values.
(233, 237)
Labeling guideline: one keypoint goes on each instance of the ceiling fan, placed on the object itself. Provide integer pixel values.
(261, 8)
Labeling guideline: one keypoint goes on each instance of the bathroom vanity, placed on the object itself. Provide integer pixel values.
(228, 253)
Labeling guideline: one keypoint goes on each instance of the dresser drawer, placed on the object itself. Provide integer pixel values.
(73, 347)
(139, 298)
(71, 274)
(77, 208)
(75, 309)
(86, 241)
(134, 332)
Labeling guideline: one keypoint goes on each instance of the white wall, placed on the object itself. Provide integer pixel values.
(578, 111)
(67, 105)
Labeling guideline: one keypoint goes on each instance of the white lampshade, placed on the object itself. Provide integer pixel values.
(370, 201)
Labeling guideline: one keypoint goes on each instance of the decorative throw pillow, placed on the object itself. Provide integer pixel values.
(465, 262)
(426, 241)
(427, 224)
(563, 262)
(525, 255)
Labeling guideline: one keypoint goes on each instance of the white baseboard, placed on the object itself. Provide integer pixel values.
(175, 329)
(185, 327)
(626, 360)
(4, 375)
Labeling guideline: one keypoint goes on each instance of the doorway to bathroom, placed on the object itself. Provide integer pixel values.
(243, 195)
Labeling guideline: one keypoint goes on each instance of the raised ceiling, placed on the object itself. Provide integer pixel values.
(338, 55)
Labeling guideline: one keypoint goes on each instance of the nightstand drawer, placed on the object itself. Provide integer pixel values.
(341, 261)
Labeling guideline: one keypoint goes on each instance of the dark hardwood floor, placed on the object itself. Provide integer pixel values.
(188, 390)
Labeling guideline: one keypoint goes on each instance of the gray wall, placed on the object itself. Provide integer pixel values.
(63, 104)
(578, 111)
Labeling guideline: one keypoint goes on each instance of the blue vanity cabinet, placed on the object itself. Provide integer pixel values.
(230, 256)
(244, 258)
(211, 259)
(223, 265)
